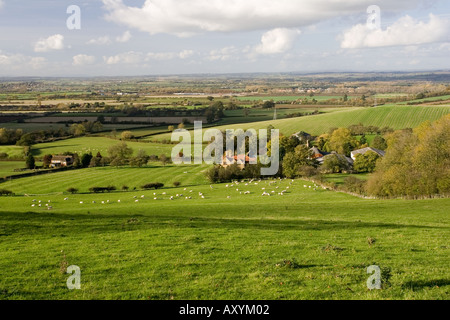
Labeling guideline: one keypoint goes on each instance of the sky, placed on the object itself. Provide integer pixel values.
(161, 37)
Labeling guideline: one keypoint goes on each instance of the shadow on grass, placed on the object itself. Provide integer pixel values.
(37, 222)
(422, 284)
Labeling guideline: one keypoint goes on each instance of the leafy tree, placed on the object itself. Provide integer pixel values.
(127, 135)
(30, 162)
(86, 160)
(120, 154)
(365, 162)
(164, 159)
(268, 104)
(77, 129)
(342, 141)
(286, 145)
(26, 140)
(363, 140)
(72, 190)
(417, 163)
(140, 159)
(335, 163)
(293, 161)
(171, 128)
(379, 143)
(47, 160)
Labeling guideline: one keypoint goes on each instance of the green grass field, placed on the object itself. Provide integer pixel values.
(396, 117)
(84, 179)
(94, 145)
(7, 167)
(291, 98)
(304, 245)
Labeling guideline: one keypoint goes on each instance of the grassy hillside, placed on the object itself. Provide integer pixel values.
(101, 177)
(304, 245)
(94, 145)
(397, 117)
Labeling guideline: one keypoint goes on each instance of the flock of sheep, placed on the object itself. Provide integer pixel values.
(164, 195)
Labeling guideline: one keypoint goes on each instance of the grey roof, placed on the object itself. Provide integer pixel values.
(381, 153)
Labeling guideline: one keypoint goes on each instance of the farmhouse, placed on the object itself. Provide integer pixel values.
(241, 160)
(61, 161)
(381, 153)
(318, 155)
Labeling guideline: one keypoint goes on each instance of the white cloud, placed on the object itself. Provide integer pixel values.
(404, 32)
(169, 55)
(130, 57)
(100, 41)
(224, 54)
(185, 54)
(83, 59)
(277, 41)
(1, 4)
(124, 38)
(187, 17)
(55, 42)
(16, 61)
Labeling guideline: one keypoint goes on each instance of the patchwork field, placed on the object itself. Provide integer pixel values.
(306, 244)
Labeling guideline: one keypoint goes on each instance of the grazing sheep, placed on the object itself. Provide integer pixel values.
(81, 202)
(136, 200)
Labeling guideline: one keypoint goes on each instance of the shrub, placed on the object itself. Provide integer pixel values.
(102, 189)
(125, 188)
(354, 184)
(3, 155)
(176, 184)
(4, 192)
(155, 186)
(72, 190)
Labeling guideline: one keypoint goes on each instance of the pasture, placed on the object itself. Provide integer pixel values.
(83, 179)
(223, 244)
(95, 144)
(396, 117)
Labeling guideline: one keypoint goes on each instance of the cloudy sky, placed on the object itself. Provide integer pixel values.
(150, 37)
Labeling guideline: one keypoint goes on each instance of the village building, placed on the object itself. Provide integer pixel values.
(381, 153)
(61, 161)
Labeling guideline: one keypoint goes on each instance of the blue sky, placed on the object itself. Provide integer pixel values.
(150, 37)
